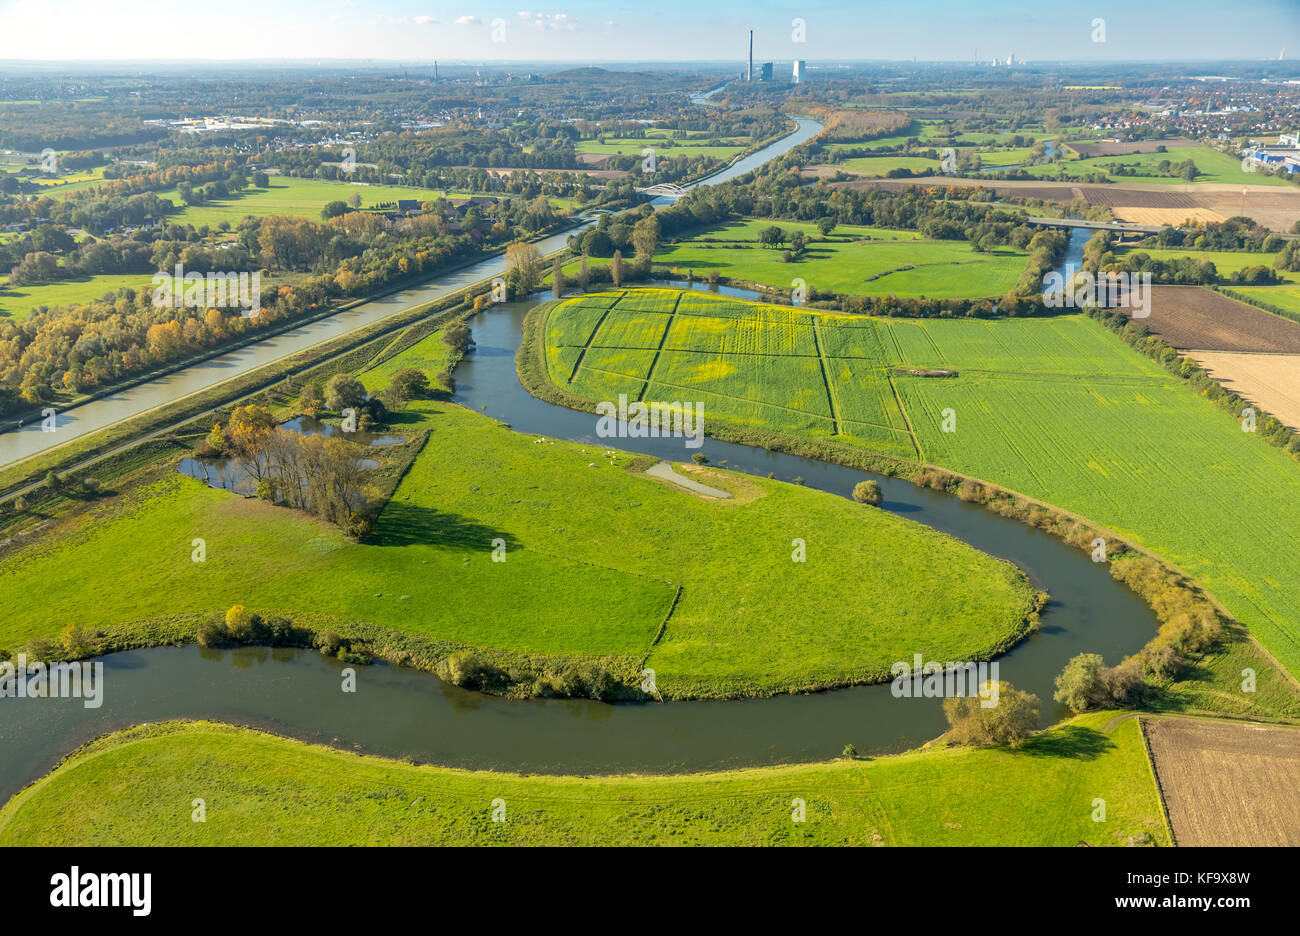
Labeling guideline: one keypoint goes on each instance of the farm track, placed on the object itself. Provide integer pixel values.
(830, 392)
(650, 374)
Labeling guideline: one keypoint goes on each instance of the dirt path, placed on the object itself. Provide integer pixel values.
(664, 472)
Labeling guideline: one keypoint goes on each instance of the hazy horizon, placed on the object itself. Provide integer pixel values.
(588, 32)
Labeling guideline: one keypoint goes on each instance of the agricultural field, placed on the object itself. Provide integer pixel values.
(861, 261)
(1057, 409)
(134, 788)
(597, 554)
(1227, 783)
(1192, 318)
(1270, 381)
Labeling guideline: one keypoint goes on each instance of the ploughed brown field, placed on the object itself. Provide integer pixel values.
(1124, 149)
(1275, 207)
(1269, 381)
(1227, 783)
(1112, 196)
(1194, 318)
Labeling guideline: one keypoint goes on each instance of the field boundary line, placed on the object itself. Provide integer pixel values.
(663, 625)
(1155, 778)
(649, 375)
(577, 364)
(907, 420)
(752, 402)
(826, 381)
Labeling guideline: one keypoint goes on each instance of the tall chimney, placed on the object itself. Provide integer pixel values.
(749, 75)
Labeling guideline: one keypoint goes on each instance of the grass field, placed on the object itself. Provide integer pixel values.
(1225, 261)
(1212, 165)
(137, 788)
(1284, 297)
(595, 555)
(18, 301)
(877, 166)
(664, 149)
(1058, 409)
(861, 261)
(289, 196)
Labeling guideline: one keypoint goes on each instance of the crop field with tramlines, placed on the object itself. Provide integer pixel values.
(1058, 409)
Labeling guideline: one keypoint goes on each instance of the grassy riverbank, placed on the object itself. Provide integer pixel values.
(594, 554)
(138, 787)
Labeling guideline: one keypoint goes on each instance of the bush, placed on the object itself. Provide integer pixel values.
(212, 633)
(700, 458)
(242, 625)
(1010, 721)
(77, 642)
(1085, 683)
(867, 492)
(281, 630)
(329, 642)
(464, 669)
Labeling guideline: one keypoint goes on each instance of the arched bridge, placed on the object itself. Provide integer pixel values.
(668, 189)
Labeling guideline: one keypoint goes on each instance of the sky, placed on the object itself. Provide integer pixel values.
(651, 30)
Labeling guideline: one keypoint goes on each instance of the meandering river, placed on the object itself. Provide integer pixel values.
(399, 712)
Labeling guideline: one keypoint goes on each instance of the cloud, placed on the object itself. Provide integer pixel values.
(425, 20)
(467, 20)
(551, 21)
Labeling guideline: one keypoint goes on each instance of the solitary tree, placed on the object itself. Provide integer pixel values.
(1078, 685)
(645, 239)
(557, 278)
(525, 261)
(616, 269)
(344, 391)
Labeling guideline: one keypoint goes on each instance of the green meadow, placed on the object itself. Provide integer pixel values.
(18, 301)
(1055, 408)
(137, 787)
(857, 260)
(1212, 165)
(1226, 262)
(1284, 297)
(876, 167)
(664, 148)
(601, 563)
(289, 196)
